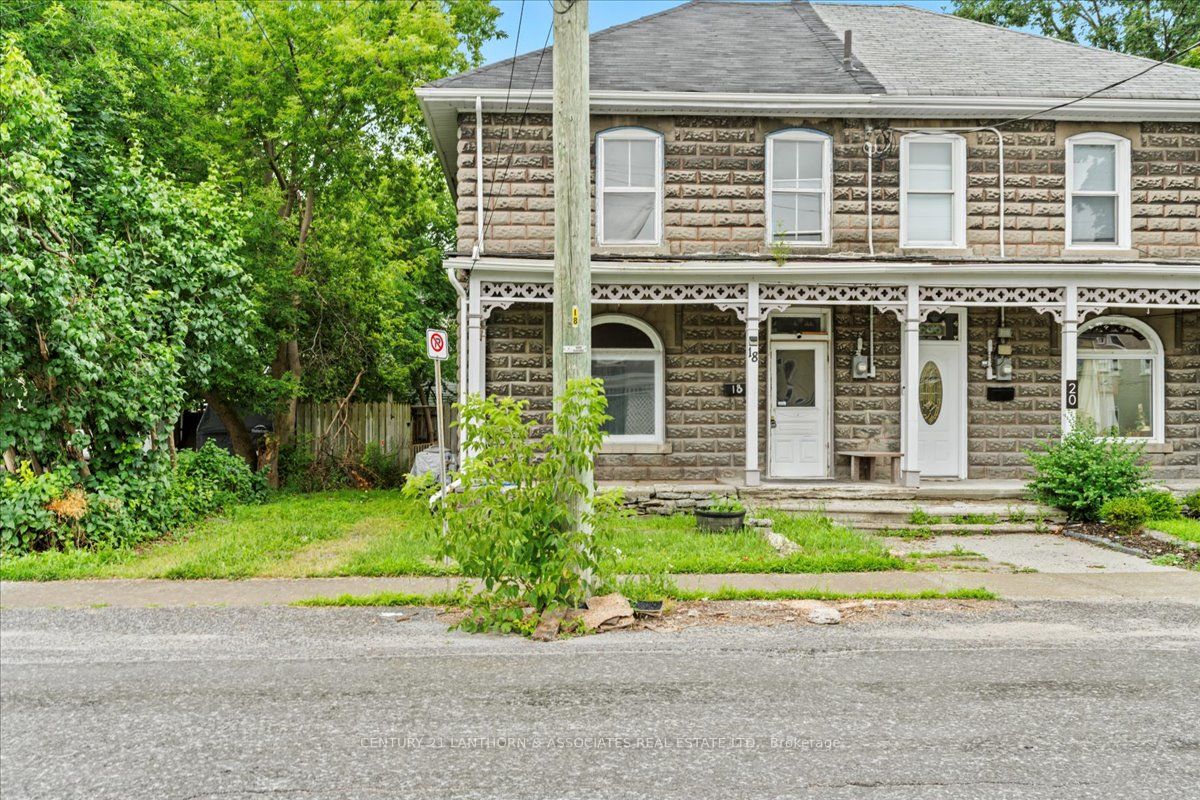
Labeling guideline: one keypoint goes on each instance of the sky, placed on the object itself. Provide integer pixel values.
(602, 14)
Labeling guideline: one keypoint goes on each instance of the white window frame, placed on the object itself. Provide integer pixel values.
(1157, 379)
(1121, 167)
(656, 354)
(958, 190)
(825, 192)
(624, 135)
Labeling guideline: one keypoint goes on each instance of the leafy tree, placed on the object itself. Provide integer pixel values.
(1151, 28)
(111, 294)
(309, 110)
(315, 102)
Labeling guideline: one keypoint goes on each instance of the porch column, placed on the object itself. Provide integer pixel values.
(910, 379)
(751, 398)
(1070, 363)
(475, 357)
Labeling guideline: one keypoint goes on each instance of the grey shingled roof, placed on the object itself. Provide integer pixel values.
(795, 48)
(916, 52)
(701, 47)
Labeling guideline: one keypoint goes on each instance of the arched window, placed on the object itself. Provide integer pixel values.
(629, 188)
(799, 166)
(1120, 363)
(628, 355)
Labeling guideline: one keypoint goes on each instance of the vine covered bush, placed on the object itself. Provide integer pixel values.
(59, 509)
(1082, 471)
(121, 294)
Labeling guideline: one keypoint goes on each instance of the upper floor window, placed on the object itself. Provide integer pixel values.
(933, 190)
(799, 163)
(1097, 207)
(629, 196)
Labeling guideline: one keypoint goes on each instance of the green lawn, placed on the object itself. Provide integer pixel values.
(380, 533)
(1182, 528)
(652, 545)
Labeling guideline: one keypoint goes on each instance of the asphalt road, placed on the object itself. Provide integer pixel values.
(1037, 701)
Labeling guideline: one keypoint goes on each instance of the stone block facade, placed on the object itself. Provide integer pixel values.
(714, 187)
(705, 429)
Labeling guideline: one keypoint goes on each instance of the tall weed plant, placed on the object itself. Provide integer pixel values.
(512, 524)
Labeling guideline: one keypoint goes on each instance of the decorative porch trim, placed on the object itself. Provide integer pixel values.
(1141, 298)
(993, 296)
(827, 294)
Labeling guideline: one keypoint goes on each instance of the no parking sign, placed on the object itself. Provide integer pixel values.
(437, 345)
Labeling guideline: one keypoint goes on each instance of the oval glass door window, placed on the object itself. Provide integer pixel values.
(931, 392)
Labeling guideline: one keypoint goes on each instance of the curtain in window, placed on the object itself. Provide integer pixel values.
(1118, 395)
(629, 189)
(629, 387)
(1094, 194)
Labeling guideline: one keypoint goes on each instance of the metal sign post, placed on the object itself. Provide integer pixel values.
(437, 346)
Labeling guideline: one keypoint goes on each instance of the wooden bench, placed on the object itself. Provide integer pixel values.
(868, 458)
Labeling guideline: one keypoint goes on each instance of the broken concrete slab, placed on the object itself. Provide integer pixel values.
(607, 612)
(815, 611)
(547, 629)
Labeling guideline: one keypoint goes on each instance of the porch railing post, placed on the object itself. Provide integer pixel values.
(1070, 363)
(910, 380)
(751, 398)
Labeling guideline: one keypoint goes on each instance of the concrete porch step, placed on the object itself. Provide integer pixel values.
(893, 513)
(928, 491)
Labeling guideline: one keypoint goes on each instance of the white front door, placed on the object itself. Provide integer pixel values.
(941, 393)
(799, 410)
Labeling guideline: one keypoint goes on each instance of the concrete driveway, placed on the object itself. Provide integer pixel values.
(988, 700)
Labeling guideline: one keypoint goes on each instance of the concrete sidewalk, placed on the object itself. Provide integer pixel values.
(1174, 585)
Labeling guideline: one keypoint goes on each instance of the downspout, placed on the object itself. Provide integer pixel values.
(870, 147)
(462, 330)
(478, 176)
(1000, 139)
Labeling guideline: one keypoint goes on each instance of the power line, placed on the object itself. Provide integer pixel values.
(524, 118)
(512, 72)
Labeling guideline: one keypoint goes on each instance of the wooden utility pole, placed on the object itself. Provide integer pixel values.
(572, 343)
(572, 203)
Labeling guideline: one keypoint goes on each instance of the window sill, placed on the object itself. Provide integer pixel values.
(1100, 253)
(937, 251)
(635, 448)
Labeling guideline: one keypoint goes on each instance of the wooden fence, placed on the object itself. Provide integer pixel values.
(387, 424)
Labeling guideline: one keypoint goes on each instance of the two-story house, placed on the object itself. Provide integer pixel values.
(831, 228)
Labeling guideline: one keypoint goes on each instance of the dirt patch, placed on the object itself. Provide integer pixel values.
(770, 613)
(1147, 546)
(684, 615)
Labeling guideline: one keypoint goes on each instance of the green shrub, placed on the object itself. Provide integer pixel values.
(1192, 503)
(60, 509)
(1080, 472)
(1127, 515)
(511, 523)
(724, 505)
(212, 478)
(1163, 504)
(384, 470)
